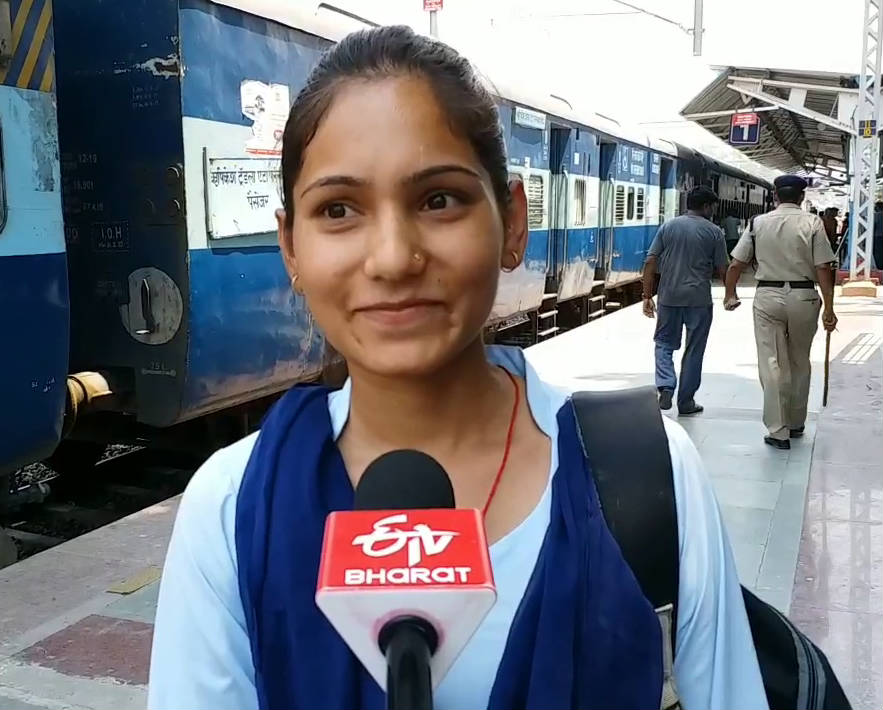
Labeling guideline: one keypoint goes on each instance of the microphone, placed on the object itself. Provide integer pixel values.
(405, 578)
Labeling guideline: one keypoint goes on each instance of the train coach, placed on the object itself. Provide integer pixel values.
(34, 317)
(182, 317)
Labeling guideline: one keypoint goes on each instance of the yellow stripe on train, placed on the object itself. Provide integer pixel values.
(25, 51)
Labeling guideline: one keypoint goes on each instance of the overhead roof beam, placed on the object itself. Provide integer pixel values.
(786, 144)
(715, 114)
(751, 90)
(830, 88)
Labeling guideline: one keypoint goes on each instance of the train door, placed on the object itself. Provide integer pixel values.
(606, 203)
(558, 199)
(665, 192)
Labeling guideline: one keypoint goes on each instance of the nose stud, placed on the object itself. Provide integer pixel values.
(417, 256)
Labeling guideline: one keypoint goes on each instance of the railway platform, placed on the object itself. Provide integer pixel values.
(806, 524)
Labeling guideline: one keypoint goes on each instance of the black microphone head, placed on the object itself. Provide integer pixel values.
(404, 480)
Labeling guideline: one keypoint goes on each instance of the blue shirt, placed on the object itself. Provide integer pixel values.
(201, 654)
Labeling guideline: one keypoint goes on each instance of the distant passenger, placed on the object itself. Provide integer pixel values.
(842, 251)
(731, 226)
(829, 219)
(877, 247)
(687, 252)
(792, 253)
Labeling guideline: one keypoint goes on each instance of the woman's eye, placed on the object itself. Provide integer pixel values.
(336, 210)
(440, 201)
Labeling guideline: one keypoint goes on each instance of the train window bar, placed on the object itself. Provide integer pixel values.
(535, 189)
(630, 214)
(579, 198)
(640, 205)
(619, 216)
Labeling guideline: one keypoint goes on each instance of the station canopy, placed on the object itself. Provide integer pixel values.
(805, 117)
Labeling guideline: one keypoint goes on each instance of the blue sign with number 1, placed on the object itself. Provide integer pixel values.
(745, 129)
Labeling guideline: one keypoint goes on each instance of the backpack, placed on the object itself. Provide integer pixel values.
(636, 489)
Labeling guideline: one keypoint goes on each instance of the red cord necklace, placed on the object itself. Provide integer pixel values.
(508, 444)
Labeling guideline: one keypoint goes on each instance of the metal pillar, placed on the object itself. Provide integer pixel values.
(698, 29)
(865, 158)
(433, 23)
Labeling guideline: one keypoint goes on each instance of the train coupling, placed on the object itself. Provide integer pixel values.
(86, 391)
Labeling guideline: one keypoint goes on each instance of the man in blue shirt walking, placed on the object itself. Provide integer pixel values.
(686, 252)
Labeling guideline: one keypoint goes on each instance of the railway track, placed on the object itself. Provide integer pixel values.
(49, 509)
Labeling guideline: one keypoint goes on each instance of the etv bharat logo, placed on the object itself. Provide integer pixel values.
(420, 539)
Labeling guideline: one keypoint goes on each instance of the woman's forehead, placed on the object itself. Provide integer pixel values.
(384, 126)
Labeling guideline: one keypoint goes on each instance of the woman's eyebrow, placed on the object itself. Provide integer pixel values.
(419, 176)
(434, 170)
(347, 180)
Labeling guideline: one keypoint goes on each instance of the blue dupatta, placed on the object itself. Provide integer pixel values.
(584, 636)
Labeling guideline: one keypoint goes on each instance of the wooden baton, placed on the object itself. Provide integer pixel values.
(827, 359)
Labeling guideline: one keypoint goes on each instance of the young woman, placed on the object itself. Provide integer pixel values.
(398, 219)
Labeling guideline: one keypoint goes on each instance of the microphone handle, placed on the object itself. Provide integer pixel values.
(408, 643)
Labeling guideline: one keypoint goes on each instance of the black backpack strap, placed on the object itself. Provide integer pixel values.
(626, 445)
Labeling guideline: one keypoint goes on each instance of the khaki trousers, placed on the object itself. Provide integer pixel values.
(785, 322)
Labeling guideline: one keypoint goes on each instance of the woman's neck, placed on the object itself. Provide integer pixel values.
(445, 409)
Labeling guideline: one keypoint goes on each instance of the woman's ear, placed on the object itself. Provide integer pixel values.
(515, 238)
(286, 242)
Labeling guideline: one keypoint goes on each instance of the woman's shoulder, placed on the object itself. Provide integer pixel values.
(222, 472)
(209, 501)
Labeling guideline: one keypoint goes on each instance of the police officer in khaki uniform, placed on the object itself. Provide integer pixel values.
(793, 254)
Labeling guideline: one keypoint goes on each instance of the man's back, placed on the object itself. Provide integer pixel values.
(787, 243)
(688, 248)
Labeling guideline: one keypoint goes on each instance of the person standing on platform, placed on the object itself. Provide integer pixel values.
(732, 226)
(877, 247)
(686, 252)
(792, 253)
(829, 219)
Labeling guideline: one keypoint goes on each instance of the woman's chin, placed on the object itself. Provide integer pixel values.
(419, 357)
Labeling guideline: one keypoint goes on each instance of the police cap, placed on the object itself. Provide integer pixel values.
(790, 181)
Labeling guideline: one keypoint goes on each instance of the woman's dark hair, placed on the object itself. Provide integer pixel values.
(398, 51)
(700, 197)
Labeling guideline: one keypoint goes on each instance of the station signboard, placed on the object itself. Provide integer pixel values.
(745, 129)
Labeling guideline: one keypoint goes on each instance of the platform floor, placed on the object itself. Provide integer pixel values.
(75, 621)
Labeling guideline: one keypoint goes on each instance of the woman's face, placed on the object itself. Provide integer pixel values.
(397, 240)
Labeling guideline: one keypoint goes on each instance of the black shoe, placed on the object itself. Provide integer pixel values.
(797, 433)
(688, 409)
(777, 443)
(665, 399)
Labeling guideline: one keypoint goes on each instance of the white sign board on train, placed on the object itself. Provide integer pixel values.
(242, 196)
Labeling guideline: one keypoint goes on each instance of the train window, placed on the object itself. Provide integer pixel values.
(640, 205)
(535, 188)
(579, 199)
(630, 213)
(619, 217)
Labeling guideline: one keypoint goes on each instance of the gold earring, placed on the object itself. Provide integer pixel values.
(515, 261)
(294, 284)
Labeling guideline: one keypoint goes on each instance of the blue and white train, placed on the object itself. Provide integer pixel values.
(169, 119)
(34, 316)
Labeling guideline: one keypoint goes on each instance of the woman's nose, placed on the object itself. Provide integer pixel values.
(394, 249)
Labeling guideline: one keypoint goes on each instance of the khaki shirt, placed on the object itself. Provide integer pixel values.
(790, 244)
